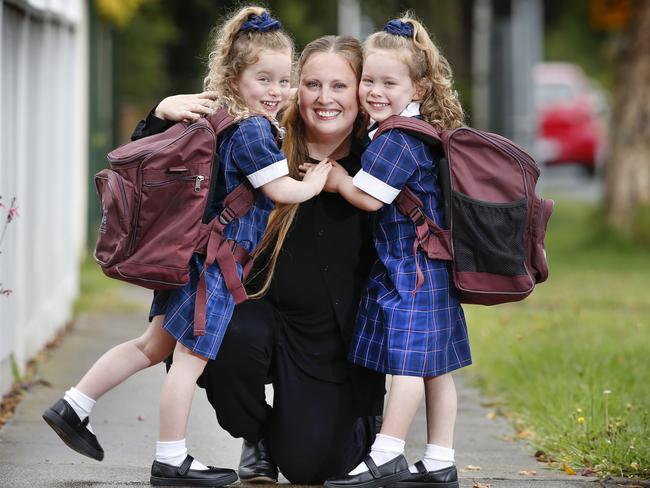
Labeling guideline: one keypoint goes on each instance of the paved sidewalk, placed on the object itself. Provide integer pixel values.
(126, 421)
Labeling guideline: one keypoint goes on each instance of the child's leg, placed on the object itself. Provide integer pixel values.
(128, 358)
(404, 400)
(69, 415)
(441, 402)
(175, 403)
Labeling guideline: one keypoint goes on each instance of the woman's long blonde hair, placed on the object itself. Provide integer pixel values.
(295, 149)
(232, 50)
(428, 68)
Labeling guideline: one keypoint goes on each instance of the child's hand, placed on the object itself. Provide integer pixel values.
(316, 175)
(333, 178)
(187, 108)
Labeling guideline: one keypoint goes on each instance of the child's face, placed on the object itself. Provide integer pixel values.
(386, 86)
(265, 85)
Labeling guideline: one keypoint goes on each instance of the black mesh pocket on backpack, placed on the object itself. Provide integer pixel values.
(489, 237)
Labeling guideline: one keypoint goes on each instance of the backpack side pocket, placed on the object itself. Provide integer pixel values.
(116, 195)
(542, 212)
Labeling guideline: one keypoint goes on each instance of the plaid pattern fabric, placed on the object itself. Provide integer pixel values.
(398, 331)
(249, 149)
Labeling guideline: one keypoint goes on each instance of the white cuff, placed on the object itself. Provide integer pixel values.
(269, 173)
(375, 187)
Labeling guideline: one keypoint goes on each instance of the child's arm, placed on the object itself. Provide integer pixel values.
(357, 197)
(340, 181)
(287, 190)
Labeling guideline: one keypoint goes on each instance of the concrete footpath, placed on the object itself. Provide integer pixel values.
(126, 421)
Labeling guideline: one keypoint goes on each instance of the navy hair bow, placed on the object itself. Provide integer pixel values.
(399, 28)
(261, 23)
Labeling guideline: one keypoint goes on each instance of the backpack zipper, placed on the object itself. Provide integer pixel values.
(138, 155)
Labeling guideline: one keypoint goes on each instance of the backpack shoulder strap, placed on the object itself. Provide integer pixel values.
(221, 120)
(413, 126)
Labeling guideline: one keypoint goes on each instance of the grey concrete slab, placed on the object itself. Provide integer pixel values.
(126, 421)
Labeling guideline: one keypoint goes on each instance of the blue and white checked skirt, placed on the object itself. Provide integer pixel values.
(178, 307)
(401, 333)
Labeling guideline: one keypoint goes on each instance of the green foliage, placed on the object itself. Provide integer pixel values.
(641, 225)
(586, 331)
(571, 38)
(141, 55)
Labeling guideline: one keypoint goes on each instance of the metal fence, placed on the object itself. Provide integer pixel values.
(43, 163)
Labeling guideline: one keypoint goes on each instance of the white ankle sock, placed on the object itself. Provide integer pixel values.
(174, 453)
(435, 458)
(384, 449)
(81, 403)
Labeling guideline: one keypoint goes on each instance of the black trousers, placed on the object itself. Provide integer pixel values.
(311, 430)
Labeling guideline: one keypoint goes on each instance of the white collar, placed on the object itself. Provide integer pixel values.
(411, 110)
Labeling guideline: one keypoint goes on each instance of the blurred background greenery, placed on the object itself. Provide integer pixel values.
(161, 45)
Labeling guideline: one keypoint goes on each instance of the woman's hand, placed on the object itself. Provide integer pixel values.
(187, 108)
(334, 177)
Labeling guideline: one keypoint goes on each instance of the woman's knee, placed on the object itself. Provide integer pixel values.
(299, 467)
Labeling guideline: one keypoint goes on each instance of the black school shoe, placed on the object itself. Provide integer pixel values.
(74, 432)
(386, 474)
(441, 478)
(255, 463)
(167, 475)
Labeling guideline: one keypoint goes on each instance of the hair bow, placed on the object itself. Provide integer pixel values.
(261, 23)
(399, 28)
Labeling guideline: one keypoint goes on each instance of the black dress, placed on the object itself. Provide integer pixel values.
(323, 417)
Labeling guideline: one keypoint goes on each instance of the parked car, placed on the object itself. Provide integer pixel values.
(571, 116)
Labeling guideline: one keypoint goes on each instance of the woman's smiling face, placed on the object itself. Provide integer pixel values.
(327, 96)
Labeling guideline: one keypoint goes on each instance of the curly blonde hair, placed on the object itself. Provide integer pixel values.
(232, 51)
(428, 68)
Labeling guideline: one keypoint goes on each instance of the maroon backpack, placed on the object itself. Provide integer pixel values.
(494, 222)
(154, 200)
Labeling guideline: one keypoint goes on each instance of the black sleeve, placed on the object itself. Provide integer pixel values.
(150, 126)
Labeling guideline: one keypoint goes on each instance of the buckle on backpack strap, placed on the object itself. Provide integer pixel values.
(417, 216)
(226, 216)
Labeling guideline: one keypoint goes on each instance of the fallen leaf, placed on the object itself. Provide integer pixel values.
(480, 485)
(525, 434)
(568, 469)
(140, 418)
(586, 472)
(527, 473)
(491, 415)
(471, 467)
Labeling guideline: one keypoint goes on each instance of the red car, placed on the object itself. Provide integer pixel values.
(570, 112)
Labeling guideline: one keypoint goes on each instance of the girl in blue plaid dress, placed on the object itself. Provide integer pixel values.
(415, 332)
(249, 73)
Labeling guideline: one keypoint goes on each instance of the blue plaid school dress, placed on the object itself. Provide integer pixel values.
(397, 331)
(248, 151)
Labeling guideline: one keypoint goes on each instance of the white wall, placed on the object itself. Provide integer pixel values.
(43, 163)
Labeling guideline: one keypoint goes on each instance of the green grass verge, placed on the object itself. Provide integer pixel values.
(102, 294)
(571, 364)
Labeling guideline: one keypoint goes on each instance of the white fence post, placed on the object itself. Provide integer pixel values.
(43, 162)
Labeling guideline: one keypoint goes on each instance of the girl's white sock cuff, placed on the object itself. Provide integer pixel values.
(387, 443)
(439, 453)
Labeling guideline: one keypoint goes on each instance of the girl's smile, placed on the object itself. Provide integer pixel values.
(265, 85)
(386, 86)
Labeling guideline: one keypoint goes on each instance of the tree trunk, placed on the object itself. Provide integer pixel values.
(627, 174)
